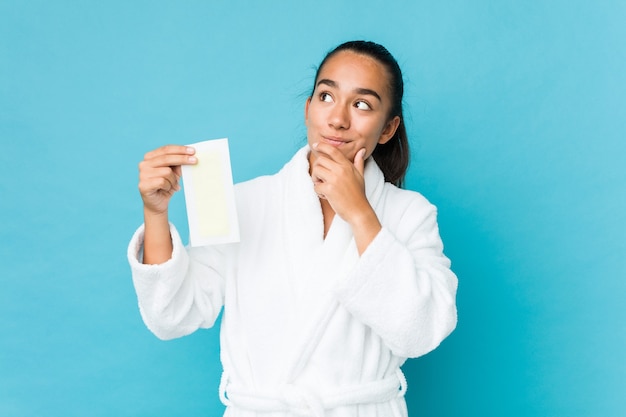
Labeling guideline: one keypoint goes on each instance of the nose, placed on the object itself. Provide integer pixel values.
(339, 117)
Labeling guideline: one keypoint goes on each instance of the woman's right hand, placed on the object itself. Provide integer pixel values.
(159, 173)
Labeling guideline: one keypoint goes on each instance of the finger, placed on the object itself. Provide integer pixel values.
(323, 162)
(166, 173)
(359, 161)
(319, 189)
(324, 149)
(316, 177)
(170, 150)
(329, 168)
(319, 172)
(158, 172)
(154, 186)
(167, 160)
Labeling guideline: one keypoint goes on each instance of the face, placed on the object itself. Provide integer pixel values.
(350, 105)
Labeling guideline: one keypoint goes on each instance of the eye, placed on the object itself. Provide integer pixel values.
(362, 105)
(326, 97)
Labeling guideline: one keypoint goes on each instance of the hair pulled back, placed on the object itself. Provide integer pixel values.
(392, 157)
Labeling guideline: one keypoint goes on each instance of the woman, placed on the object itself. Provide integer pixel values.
(339, 276)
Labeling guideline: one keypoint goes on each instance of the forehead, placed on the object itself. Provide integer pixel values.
(351, 70)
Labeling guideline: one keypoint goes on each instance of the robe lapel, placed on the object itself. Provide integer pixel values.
(315, 264)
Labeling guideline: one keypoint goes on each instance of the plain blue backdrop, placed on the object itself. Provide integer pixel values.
(517, 115)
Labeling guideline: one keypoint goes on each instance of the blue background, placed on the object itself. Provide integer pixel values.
(517, 114)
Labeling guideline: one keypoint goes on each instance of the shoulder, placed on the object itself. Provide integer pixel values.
(402, 200)
(406, 211)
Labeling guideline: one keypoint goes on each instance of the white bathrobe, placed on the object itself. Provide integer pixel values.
(309, 327)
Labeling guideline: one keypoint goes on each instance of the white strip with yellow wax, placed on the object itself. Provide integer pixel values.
(209, 195)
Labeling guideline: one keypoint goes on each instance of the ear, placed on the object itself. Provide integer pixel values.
(306, 110)
(389, 130)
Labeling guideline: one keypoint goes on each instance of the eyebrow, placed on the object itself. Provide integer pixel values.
(365, 91)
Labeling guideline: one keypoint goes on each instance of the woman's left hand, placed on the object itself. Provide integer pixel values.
(340, 181)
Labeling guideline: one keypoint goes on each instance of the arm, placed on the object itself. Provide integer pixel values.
(159, 173)
(178, 290)
(339, 182)
(182, 294)
(402, 286)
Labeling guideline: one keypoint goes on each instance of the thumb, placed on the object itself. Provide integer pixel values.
(359, 161)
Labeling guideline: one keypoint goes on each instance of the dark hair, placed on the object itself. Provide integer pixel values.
(392, 157)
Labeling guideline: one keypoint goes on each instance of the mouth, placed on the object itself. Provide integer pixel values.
(335, 141)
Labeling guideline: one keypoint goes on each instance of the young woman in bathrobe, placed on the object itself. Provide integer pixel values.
(340, 275)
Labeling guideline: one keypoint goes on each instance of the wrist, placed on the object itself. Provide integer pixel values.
(364, 220)
(157, 242)
(155, 217)
(365, 226)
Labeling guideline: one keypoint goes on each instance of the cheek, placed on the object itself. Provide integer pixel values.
(371, 132)
(311, 119)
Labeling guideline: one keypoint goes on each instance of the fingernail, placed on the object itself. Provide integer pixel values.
(315, 144)
(190, 150)
(192, 159)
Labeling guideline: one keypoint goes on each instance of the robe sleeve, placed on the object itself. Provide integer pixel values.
(182, 294)
(402, 287)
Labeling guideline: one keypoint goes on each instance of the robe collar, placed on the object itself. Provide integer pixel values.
(316, 264)
(323, 260)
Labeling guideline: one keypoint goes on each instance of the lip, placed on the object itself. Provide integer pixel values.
(335, 141)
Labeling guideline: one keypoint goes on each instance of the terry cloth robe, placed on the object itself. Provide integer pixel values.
(309, 327)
